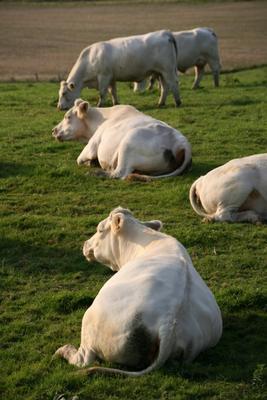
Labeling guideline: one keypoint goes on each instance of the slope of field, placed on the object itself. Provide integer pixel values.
(42, 41)
(49, 206)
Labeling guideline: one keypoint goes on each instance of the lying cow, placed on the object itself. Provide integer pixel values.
(156, 306)
(196, 48)
(123, 59)
(125, 141)
(234, 192)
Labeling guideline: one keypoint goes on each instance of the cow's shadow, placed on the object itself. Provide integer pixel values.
(31, 259)
(236, 358)
(15, 169)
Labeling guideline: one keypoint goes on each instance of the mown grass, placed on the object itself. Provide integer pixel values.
(50, 206)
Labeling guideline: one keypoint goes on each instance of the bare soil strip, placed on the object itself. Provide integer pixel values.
(43, 42)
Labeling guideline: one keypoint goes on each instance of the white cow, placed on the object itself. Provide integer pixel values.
(154, 308)
(234, 192)
(123, 59)
(125, 141)
(196, 48)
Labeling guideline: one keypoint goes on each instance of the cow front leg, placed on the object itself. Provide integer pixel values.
(89, 154)
(216, 76)
(113, 91)
(163, 92)
(199, 72)
(80, 357)
(103, 85)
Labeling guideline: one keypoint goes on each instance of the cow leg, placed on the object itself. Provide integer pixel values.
(151, 81)
(166, 84)
(113, 91)
(80, 357)
(247, 216)
(88, 154)
(199, 72)
(215, 68)
(216, 75)
(103, 84)
(122, 165)
(163, 92)
(232, 215)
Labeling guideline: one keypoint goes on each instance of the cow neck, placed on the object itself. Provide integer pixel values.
(136, 245)
(77, 73)
(94, 120)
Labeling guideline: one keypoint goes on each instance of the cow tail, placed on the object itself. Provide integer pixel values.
(173, 42)
(167, 337)
(195, 200)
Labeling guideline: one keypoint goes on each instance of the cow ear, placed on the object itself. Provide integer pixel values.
(156, 225)
(77, 102)
(117, 222)
(83, 108)
(71, 86)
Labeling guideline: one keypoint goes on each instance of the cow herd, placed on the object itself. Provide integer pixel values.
(156, 306)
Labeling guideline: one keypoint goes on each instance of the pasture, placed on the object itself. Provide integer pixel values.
(50, 206)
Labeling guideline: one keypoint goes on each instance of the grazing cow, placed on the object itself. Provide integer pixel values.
(155, 307)
(123, 59)
(196, 48)
(125, 142)
(233, 192)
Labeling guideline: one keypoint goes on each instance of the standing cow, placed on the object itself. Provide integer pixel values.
(155, 307)
(196, 48)
(233, 192)
(125, 142)
(131, 58)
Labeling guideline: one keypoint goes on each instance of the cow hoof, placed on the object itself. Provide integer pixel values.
(178, 103)
(207, 220)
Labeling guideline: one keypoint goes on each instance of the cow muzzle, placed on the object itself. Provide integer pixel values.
(88, 252)
(57, 135)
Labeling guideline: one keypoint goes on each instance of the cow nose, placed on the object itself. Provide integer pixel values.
(54, 132)
(59, 107)
(88, 252)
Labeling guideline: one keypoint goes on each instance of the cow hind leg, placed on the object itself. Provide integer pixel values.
(215, 68)
(173, 85)
(236, 216)
(76, 357)
(199, 72)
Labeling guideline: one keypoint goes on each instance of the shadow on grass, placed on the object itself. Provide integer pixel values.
(235, 358)
(14, 169)
(33, 259)
(199, 168)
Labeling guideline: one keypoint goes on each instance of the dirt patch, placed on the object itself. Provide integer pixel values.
(44, 41)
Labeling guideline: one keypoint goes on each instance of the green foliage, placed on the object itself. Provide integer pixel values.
(49, 206)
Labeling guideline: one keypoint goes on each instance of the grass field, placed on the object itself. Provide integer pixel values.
(50, 206)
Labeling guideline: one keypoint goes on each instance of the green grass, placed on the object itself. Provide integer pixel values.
(50, 206)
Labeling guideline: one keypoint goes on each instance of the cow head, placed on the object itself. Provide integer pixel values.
(68, 92)
(118, 238)
(74, 125)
